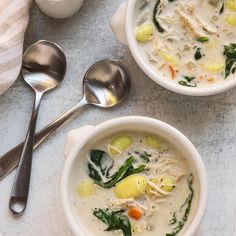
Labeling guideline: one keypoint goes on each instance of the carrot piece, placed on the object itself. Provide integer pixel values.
(172, 71)
(211, 79)
(135, 213)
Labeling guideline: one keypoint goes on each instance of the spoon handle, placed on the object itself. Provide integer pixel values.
(10, 160)
(20, 188)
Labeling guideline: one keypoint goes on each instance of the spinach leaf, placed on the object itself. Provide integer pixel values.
(115, 220)
(222, 7)
(97, 162)
(202, 39)
(174, 219)
(133, 170)
(156, 12)
(187, 83)
(198, 54)
(189, 78)
(230, 54)
(184, 83)
(188, 203)
(155, 21)
(100, 160)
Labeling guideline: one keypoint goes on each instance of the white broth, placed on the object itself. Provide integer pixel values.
(190, 42)
(135, 184)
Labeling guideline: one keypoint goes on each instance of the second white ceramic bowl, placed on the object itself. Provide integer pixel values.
(83, 140)
(124, 23)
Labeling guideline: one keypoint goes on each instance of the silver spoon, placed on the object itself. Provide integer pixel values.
(43, 68)
(106, 84)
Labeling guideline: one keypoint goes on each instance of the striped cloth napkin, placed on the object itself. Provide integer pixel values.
(14, 18)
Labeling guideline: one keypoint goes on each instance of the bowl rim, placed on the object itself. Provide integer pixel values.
(196, 158)
(146, 68)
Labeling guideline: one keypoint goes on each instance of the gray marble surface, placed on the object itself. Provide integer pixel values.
(209, 122)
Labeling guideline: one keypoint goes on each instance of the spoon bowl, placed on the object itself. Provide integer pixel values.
(43, 66)
(106, 83)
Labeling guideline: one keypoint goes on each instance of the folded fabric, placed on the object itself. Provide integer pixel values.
(14, 16)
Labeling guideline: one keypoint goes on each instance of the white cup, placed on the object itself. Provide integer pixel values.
(123, 25)
(59, 8)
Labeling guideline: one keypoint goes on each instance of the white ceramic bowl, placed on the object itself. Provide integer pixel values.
(90, 135)
(129, 25)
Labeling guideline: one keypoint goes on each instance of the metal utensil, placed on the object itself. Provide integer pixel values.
(106, 84)
(43, 68)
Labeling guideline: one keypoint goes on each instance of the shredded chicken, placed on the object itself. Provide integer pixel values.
(190, 65)
(110, 148)
(157, 188)
(120, 202)
(188, 25)
(151, 58)
(213, 2)
(163, 4)
(204, 26)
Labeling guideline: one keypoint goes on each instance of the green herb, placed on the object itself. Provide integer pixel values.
(115, 220)
(184, 83)
(202, 39)
(187, 83)
(198, 54)
(230, 54)
(131, 170)
(97, 162)
(188, 204)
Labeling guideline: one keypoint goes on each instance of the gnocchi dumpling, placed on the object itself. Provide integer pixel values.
(214, 66)
(166, 183)
(144, 33)
(86, 188)
(153, 142)
(231, 4)
(131, 187)
(231, 19)
(120, 143)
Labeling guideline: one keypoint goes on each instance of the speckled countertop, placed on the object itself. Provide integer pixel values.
(210, 123)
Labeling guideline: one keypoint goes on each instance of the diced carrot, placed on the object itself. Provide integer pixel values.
(172, 71)
(201, 77)
(211, 79)
(135, 213)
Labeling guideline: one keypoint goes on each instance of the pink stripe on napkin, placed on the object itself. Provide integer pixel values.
(14, 17)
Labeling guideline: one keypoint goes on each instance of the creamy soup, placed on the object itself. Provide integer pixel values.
(136, 184)
(190, 42)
